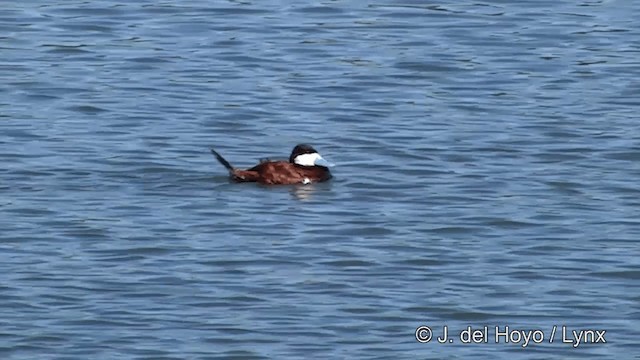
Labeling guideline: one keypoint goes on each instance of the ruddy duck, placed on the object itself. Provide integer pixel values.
(305, 166)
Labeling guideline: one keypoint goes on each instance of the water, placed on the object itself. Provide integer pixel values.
(488, 156)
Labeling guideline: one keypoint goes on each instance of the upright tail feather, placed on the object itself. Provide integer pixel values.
(223, 161)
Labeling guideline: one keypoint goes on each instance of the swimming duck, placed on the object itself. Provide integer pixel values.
(305, 166)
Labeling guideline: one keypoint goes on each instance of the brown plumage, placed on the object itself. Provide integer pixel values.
(302, 168)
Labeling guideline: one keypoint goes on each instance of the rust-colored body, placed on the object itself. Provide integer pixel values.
(281, 173)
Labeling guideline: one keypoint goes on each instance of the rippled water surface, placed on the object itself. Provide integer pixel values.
(488, 161)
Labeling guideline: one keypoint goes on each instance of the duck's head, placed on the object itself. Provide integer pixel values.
(306, 155)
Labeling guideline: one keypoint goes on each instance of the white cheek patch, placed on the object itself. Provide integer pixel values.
(306, 181)
(306, 159)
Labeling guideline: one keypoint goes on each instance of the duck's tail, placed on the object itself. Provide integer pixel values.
(223, 161)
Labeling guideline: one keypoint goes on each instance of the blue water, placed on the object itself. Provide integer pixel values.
(488, 162)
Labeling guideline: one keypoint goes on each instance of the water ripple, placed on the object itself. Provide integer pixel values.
(487, 156)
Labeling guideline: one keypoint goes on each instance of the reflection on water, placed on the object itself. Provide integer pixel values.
(304, 192)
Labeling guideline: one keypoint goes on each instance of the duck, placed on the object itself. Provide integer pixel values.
(305, 166)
